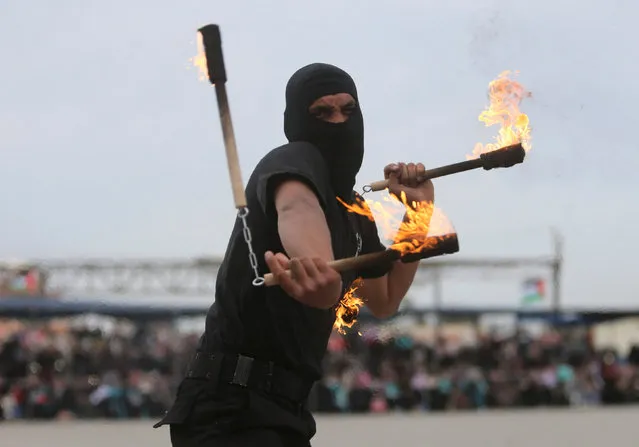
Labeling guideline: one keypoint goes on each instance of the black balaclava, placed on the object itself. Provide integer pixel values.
(341, 144)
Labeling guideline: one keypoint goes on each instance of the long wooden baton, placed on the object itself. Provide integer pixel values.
(212, 43)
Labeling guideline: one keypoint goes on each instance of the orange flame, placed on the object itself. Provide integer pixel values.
(348, 308)
(412, 227)
(505, 95)
(199, 60)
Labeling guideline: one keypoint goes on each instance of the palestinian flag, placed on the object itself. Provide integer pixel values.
(534, 290)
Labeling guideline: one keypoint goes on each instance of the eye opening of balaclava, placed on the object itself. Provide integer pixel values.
(341, 144)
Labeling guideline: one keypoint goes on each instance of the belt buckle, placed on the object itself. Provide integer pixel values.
(242, 371)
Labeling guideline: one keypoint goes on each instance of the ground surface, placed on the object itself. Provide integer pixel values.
(551, 428)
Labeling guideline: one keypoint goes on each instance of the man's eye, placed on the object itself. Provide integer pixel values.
(321, 112)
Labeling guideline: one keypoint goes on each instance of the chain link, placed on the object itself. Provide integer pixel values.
(248, 238)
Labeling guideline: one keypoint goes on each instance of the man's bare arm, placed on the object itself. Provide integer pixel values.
(301, 222)
(384, 295)
(305, 235)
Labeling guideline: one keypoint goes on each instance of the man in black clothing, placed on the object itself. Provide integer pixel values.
(262, 348)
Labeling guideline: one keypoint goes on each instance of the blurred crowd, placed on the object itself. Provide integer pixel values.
(68, 371)
(65, 370)
(372, 373)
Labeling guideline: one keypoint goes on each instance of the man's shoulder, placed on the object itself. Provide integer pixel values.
(297, 158)
(292, 152)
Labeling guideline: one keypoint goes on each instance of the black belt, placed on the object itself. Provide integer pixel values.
(249, 373)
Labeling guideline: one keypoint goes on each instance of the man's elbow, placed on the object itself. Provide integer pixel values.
(384, 311)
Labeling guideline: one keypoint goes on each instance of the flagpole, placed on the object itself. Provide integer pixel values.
(556, 272)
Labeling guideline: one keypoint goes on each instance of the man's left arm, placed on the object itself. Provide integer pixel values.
(383, 293)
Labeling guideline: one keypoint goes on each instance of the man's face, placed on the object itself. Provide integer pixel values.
(333, 108)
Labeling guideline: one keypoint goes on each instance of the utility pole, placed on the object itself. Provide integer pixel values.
(557, 264)
(438, 299)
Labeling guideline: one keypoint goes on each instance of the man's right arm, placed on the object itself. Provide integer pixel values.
(306, 238)
(301, 222)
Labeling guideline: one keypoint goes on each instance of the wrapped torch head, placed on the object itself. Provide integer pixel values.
(350, 315)
(444, 245)
(503, 158)
(212, 43)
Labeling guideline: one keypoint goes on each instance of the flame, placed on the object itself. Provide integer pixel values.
(505, 95)
(199, 60)
(412, 227)
(348, 308)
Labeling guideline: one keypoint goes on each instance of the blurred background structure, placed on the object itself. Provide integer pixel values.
(107, 355)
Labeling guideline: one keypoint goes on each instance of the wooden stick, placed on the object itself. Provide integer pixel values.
(212, 42)
(343, 265)
(232, 159)
(501, 158)
(433, 246)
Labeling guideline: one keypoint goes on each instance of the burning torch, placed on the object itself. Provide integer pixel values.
(512, 142)
(210, 60)
(500, 158)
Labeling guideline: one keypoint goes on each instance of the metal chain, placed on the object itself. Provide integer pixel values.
(246, 231)
(357, 235)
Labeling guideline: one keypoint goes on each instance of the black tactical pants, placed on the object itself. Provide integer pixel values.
(228, 416)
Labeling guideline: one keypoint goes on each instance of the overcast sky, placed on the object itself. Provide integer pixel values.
(111, 147)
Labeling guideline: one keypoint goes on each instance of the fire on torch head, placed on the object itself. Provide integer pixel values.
(212, 46)
(446, 245)
(503, 158)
